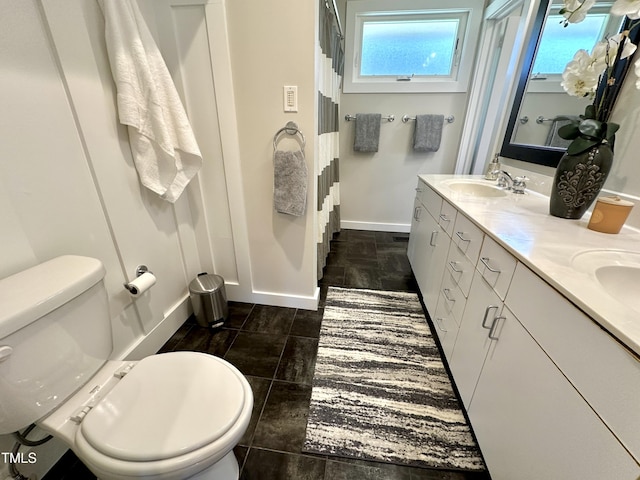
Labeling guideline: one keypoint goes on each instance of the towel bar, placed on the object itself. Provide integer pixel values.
(388, 118)
(407, 118)
(291, 128)
(541, 119)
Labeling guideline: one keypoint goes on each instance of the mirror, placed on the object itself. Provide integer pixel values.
(531, 134)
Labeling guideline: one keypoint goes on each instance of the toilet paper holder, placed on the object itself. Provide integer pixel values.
(140, 270)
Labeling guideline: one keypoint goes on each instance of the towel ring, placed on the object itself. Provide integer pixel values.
(291, 128)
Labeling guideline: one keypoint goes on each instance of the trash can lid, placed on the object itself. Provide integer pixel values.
(206, 283)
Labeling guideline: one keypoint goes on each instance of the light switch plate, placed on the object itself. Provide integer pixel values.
(290, 98)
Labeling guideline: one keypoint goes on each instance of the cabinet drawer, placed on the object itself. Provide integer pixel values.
(496, 265)
(447, 217)
(604, 372)
(420, 189)
(468, 237)
(431, 200)
(460, 268)
(445, 326)
(452, 297)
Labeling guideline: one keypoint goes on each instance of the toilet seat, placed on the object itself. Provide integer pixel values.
(157, 411)
(159, 418)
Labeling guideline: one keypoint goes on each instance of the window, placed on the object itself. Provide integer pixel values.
(409, 47)
(416, 47)
(557, 47)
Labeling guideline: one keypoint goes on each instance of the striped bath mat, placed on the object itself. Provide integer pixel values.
(380, 389)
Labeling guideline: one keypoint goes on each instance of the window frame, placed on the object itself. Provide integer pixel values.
(411, 10)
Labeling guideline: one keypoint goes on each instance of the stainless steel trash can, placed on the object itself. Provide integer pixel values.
(209, 300)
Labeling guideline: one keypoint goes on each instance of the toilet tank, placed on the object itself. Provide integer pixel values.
(55, 333)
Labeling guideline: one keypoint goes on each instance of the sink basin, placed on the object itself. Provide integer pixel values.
(475, 188)
(617, 271)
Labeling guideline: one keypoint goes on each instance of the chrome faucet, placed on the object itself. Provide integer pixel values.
(516, 185)
(505, 180)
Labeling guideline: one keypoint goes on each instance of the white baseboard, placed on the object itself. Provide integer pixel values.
(276, 299)
(375, 227)
(158, 336)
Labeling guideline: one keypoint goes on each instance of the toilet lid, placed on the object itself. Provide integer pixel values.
(167, 405)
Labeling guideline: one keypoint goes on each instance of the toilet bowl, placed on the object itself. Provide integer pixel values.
(173, 415)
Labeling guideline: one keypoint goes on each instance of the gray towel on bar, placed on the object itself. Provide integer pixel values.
(290, 182)
(367, 133)
(428, 133)
(555, 140)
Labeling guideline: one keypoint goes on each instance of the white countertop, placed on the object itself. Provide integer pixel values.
(548, 245)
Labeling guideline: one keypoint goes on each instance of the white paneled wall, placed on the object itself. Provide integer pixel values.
(143, 226)
(68, 184)
(272, 45)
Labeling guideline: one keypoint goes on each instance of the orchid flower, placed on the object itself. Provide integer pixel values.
(575, 11)
(580, 78)
(630, 8)
(605, 52)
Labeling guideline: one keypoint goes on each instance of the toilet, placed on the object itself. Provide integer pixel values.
(168, 416)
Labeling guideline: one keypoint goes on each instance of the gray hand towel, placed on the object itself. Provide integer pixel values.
(290, 182)
(428, 133)
(367, 133)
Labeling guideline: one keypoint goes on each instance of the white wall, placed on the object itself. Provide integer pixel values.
(625, 173)
(377, 189)
(272, 45)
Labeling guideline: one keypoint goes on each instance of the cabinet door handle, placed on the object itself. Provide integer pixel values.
(460, 235)
(432, 240)
(454, 267)
(485, 261)
(416, 213)
(494, 327)
(444, 218)
(446, 292)
(439, 321)
(486, 315)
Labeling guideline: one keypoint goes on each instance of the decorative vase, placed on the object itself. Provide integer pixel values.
(578, 180)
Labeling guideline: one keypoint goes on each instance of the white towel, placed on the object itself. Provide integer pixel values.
(165, 151)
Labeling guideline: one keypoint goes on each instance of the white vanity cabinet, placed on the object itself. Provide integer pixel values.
(531, 423)
(549, 393)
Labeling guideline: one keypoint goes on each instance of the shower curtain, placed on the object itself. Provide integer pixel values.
(331, 60)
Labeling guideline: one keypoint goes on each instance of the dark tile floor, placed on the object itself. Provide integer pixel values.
(275, 348)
